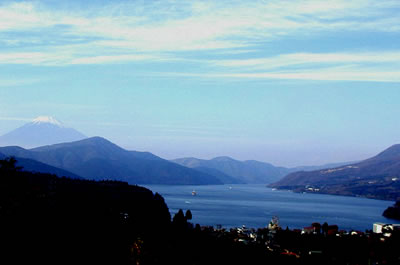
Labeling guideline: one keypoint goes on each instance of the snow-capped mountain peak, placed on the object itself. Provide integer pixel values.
(41, 131)
(46, 119)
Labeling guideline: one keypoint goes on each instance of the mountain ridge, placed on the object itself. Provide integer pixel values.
(34, 166)
(97, 158)
(251, 171)
(375, 177)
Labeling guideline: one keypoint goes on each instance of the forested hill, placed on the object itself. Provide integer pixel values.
(44, 218)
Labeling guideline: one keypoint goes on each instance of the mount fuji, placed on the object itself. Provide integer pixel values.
(41, 131)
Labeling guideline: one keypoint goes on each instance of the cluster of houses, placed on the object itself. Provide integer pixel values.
(312, 242)
(249, 235)
(317, 228)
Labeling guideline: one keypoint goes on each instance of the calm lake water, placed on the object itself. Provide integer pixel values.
(255, 205)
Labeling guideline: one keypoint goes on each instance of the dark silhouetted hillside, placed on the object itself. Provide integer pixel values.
(49, 220)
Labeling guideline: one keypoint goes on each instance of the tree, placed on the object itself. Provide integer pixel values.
(179, 219)
(9, 164)
(188, 215)
(325, 228)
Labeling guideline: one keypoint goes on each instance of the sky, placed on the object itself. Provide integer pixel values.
(286, 82)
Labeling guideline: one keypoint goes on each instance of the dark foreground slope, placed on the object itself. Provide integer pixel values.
(97, 158)
(377, 177)
(46, 219)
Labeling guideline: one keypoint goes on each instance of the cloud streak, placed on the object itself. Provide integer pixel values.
(328, 74)
(313, 58)
(195, 26)
(33, 33)
(368, 66)
(323, 76)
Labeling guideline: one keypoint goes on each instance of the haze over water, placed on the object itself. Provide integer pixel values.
(255, 205)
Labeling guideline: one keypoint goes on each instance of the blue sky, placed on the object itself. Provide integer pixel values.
(287, 82)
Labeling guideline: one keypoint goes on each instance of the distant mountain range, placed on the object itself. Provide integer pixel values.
(41, 131)
(97, 158)
(376, 177)
(240, 171)
(250, 171)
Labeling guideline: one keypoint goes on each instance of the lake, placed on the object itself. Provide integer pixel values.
(255, 205)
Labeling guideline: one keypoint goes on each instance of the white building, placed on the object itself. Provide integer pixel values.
(378, 227)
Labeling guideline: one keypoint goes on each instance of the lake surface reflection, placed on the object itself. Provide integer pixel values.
(254, 206)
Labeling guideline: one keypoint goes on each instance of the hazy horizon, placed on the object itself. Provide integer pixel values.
(54, 121)
(291, 83)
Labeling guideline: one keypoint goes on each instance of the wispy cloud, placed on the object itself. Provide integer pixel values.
(71, 55)
(313, 58)
(328, 74)
(367, 66)
(12, 82)
(174, 26)
(159, 31)
(325, 75)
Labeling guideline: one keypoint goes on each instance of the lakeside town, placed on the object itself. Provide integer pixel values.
(317, 244)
